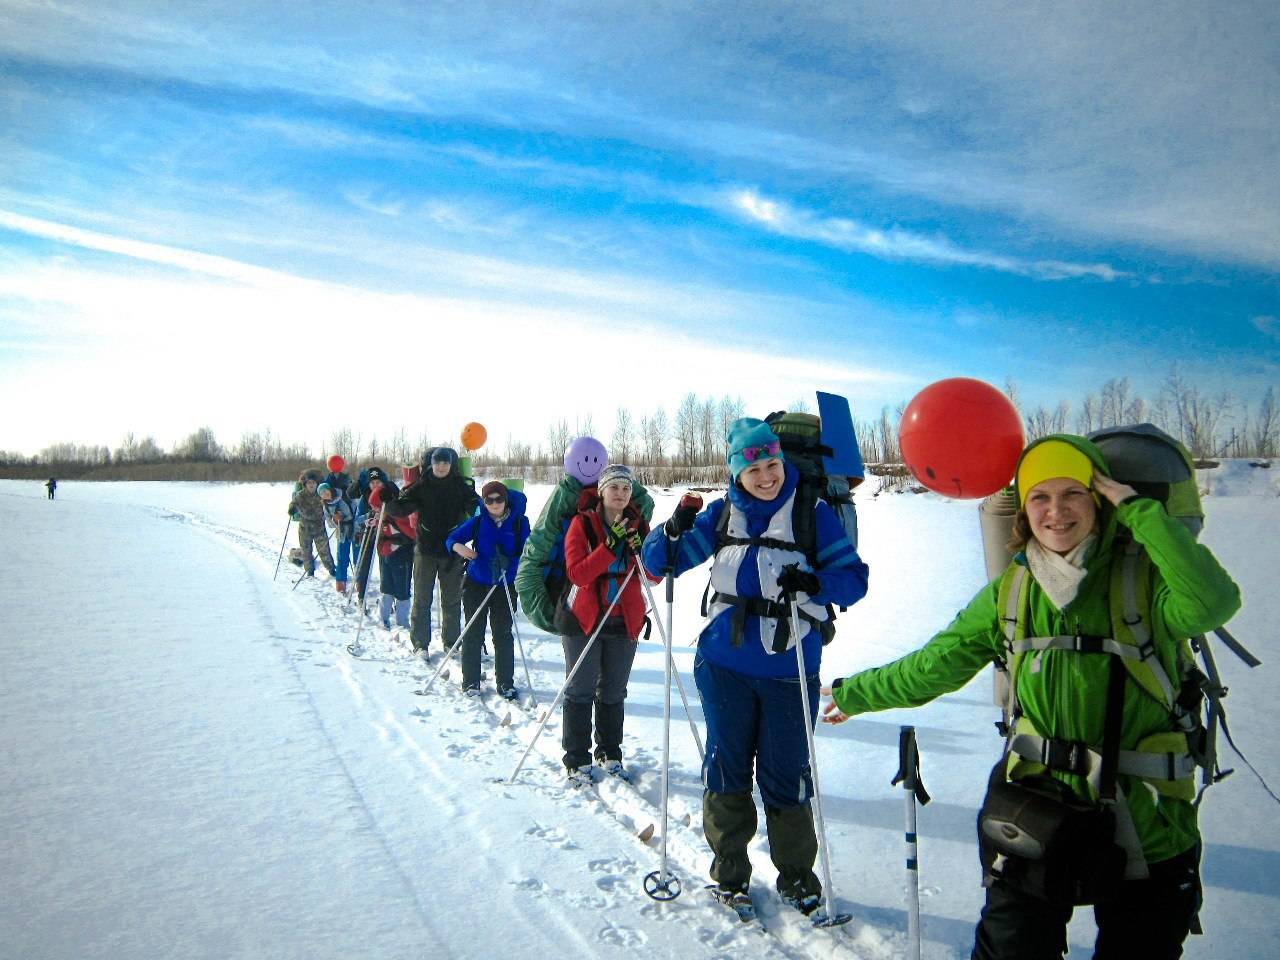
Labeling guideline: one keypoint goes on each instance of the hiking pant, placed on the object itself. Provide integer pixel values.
(499, 614)
(387, 604)
(309, 536)
(344, 555)
(601, 682)
(757, 723)
(1149, 919)
(426, 570)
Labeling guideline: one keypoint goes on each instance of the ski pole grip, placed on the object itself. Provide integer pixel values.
(909, 765)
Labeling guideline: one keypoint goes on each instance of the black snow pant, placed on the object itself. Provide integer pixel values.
(1150, 919)
(499, 616)
(601, 682)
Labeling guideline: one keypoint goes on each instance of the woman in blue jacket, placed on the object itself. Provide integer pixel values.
(746, 669)
(497, 534)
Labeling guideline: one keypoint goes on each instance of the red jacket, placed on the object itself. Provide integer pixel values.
(588, 568)
(396, 532)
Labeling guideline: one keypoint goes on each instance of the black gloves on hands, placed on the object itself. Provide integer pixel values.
(684, 515)
(793, 580)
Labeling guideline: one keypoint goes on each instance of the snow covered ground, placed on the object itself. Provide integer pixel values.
(194, 767)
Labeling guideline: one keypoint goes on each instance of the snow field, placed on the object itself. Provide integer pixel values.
(196, 767)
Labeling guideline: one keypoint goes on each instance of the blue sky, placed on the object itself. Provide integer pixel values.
(404, 215)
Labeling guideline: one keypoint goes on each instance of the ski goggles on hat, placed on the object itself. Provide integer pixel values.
(761, 450)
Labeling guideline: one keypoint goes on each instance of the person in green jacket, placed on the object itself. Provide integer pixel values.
(541, 575)
(1073, 521)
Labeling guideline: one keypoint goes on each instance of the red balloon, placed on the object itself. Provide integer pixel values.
(375, 498)
(961, 437)
(336, 463)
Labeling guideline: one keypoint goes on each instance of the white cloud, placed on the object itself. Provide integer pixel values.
(895, 243)
(1268, 325)
(169, 339)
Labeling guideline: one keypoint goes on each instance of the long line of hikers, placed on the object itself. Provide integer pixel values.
(1094, 618)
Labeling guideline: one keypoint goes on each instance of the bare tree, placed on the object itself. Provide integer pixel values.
(686, 436)
(1266, 426)
(731, 409)
(655, 438)
(1089, 419)
(1136, 411)
(346, 443)
(558, 438)
(621, 444)
(201, 446)
(708, 434)
(1115, 398)
(518, 454)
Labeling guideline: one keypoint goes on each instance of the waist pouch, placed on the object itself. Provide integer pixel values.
(1037, 837)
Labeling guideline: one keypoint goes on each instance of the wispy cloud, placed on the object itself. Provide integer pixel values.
(1268, 325)
(894, 243)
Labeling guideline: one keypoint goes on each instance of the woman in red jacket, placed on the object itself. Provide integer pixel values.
(600, 549)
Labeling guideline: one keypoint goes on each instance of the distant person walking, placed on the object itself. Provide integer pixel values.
(51, 484)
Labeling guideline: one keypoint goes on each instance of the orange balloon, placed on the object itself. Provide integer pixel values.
(961, 437)
(474, 435)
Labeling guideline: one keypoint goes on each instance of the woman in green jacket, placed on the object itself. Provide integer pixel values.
(1074, 524)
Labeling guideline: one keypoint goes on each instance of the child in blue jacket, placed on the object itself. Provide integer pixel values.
(497, 534)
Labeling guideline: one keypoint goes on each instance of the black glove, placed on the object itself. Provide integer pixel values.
(682, 520)
(793, 580)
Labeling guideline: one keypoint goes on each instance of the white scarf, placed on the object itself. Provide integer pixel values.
(1059, 575)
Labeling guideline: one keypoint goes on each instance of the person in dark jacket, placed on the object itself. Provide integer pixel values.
(490, 543)
(442, 498)
(746, 667)
(51, 484)
(600, 550)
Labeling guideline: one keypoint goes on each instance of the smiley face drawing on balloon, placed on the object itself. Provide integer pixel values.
(584, 458)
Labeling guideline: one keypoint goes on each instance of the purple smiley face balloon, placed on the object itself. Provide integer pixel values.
(584, 458)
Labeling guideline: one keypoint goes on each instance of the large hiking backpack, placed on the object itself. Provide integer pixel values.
(1157, 466)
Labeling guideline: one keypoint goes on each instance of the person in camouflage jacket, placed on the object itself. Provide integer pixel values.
(308, 510)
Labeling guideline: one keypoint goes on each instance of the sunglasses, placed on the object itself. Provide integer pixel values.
(495, 498)
(770, 449)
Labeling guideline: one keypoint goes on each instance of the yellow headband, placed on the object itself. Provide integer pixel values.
(1053, 458)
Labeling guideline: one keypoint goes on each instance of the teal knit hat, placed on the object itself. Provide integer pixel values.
(747, 433)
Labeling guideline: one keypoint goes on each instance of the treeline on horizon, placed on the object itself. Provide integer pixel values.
(688, 447)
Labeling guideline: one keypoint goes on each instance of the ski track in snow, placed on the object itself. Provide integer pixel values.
(401, 804)
(473, 733)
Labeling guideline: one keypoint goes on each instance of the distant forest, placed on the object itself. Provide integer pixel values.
(686, 446)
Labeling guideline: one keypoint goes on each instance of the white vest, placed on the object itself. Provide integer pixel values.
(769, 564)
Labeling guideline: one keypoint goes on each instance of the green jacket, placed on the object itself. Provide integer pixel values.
(1065, 698)
(548, 534)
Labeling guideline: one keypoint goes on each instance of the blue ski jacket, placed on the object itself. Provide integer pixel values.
(839, 569)
(497, 543)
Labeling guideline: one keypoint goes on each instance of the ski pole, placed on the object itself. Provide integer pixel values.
(287, 525)
(913, 789)
(569, 679)
(665, 635)
(457, 643)
(365, 562)
(830, 918)
(354, 647)
(660, 886)
(511, 608)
